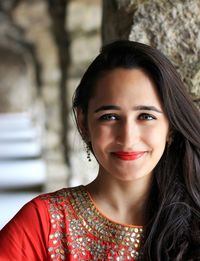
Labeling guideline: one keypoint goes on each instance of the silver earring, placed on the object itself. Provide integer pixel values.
(88, 152)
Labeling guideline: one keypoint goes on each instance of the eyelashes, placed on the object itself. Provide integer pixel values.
(114, 117)
(109, 117)
(147, 117)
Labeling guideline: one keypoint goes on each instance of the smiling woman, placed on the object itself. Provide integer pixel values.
(134, 114)
(125, 122)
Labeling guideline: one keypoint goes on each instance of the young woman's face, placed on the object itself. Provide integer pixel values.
(126, 124)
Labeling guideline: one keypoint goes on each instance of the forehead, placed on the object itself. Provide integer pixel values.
(125, 84)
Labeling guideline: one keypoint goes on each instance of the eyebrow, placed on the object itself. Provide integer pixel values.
(135, 108)
(146, 108)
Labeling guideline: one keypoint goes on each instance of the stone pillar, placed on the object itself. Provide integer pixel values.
(15, 86)
(34, 19)
(16, 65)
(47, 25)
(171, 26)
(83, 24)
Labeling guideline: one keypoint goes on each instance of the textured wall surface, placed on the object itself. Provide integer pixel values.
(171, 26)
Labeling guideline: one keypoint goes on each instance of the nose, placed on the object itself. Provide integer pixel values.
(128, 133)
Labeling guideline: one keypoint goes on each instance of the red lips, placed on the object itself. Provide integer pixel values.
(128, 155)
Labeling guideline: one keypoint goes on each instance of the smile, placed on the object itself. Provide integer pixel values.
(128, 155)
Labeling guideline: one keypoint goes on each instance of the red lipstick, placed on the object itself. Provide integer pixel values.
(128, 155)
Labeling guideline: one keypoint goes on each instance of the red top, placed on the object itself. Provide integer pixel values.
(66, 225)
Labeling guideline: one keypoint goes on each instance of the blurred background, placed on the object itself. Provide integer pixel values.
(45, 47)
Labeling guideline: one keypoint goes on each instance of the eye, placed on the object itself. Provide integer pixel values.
(109, 117)
(146, 117)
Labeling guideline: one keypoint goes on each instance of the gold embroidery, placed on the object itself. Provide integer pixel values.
(80, 232)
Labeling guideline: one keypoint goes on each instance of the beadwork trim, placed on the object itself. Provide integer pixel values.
(78, 231)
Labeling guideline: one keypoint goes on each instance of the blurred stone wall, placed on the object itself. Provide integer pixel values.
(171, 26)
(30, 71)
(83, 23)
(34, 20)
(17, 78)
(83, 20)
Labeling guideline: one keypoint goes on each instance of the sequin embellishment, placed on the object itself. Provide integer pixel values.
(80, 232)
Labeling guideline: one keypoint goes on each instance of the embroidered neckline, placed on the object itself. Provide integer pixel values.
(104, 215)
(101, 226)
(79, 231)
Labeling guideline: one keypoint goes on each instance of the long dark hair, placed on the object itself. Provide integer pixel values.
(173, 213)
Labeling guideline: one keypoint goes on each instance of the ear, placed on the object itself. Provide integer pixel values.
(82, 125)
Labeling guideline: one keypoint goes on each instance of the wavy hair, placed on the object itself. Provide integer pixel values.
(173, 210)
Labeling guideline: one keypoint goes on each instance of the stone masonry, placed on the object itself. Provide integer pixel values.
(171, 26)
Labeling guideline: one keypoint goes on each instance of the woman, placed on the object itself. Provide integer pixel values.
(135, 116)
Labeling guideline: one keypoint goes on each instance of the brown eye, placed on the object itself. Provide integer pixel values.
(109, 117)
(146, 117)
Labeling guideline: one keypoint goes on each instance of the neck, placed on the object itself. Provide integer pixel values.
(122, 201)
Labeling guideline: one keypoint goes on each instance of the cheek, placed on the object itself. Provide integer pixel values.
(100, 134)
(157, 137)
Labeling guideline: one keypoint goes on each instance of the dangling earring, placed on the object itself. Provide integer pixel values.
(88, 152)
